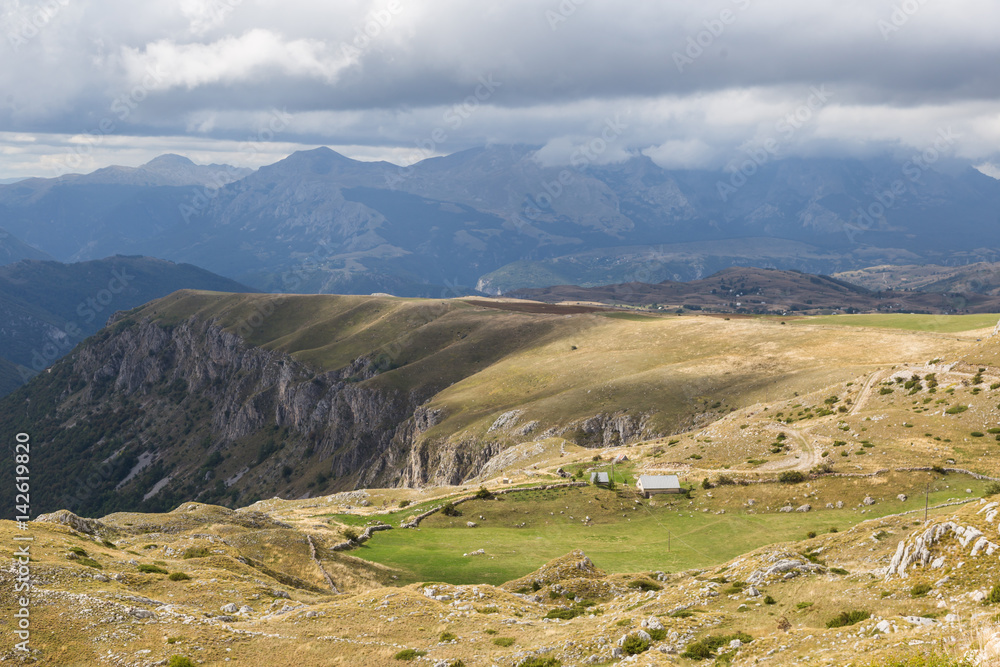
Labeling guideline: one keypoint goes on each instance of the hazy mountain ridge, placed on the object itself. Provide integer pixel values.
(48, 307)
(751, 290)
(14, 250)
(318, 221)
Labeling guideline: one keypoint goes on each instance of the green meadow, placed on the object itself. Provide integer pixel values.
(525, 530)
(910, 322)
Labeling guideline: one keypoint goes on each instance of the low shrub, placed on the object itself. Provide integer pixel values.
(449, 509)
(503, 641)
(180, 661)
(846, 618)
(484, 494)
(179, 576)
(151, 569)
(634, 645)
(644, 584)
(706, 648)
(409, 654)
(539, 662)
(447, 637)
(791, 477)
(920, 590)
(769, 600)
(196, 552)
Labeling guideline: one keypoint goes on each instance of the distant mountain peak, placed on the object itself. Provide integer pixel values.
(171, 160)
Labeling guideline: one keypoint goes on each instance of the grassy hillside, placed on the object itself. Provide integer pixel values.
(387, 391)
(557, 368)
(811, 450)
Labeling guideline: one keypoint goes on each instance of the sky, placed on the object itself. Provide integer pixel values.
(690, 83)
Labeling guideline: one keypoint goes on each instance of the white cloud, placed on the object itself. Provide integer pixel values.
(683, 154)
(232, 60)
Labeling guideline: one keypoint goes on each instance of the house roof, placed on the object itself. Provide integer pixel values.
(600, 477)
(659, 482)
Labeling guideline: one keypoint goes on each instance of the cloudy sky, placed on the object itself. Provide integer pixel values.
(691, 83)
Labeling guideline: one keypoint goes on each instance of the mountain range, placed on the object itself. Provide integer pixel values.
(497, 218)
(47, 307)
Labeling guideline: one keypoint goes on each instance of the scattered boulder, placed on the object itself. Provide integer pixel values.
(901, 497)
(786, 508)
(804, 508)
(230, 608)
(868, 501)
(471, 524)
(652, 623)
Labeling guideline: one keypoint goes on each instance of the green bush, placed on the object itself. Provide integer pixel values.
(484, 494)
(706, 648)
(644, 584)
(539, 662)
(956, 409)
(447, 637)
(180, 661)
(846, 618)
(151, 569)
(196, 552)
(503, 641)
(179, 576)
(994, 596)
(563, 613)
(769, 600)
(449, 509)
(409, 654)
(992, 489)
(791, 477)
(634, 645)
(838, 570)
(920, 590)
(977, 434)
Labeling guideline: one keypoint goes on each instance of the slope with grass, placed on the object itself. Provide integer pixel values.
(229, 398)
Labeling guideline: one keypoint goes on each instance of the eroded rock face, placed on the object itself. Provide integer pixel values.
(916, 550)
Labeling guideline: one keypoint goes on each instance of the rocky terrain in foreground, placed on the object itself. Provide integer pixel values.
(262, 586)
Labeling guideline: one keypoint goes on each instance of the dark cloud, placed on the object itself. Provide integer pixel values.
(698, 81)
